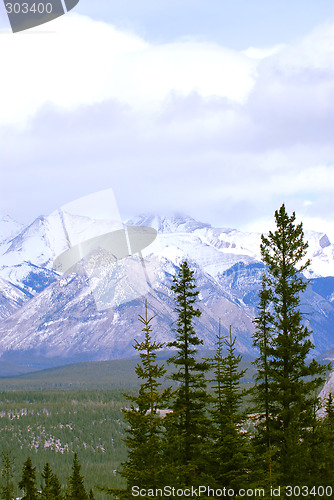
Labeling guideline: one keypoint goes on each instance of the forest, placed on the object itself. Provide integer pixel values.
(192, 427)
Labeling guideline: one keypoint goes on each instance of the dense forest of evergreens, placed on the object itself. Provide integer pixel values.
(50, 426)
(190, 434)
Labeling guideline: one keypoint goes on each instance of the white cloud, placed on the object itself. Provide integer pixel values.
(68, 67)
(86, 62)
(183, 126)
(261, 53)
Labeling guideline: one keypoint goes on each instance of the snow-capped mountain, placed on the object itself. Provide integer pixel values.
(9, 228)
(215, 249)
(219, 249)
(49, 316)
(11, 298)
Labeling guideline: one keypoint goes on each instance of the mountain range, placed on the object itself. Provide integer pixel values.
(47, 319)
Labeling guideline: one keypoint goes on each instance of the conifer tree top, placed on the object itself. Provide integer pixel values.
(285, 247)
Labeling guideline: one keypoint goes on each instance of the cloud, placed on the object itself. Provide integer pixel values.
(184, 126)
(86, 62)
(292, 101)
(69, 67)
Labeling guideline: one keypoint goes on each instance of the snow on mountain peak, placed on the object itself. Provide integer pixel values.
(216, 249)
(68, 314)
(9, 228)
(168, 224)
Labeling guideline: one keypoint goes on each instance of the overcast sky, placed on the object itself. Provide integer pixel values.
(219, 109)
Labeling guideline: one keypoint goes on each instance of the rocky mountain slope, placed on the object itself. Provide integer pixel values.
(50, 319)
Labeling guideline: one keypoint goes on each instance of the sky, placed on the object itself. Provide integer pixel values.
(218, 109)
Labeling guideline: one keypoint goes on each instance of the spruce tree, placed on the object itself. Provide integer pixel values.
(188, 425)
(46, 488)
(7, 473)
(329, 412)
(56, 488)
(262, 338)
(28, 481)
(291, 394)
(318, 449)
(228, 449)
(91, 495)
(144, 466)
(327, 470)
(77, 487)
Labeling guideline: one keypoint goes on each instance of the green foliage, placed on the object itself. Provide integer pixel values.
(228, 381)
(327, 472)
(205, 436)
(51, 488)
(46, 493)
(282, 390)
(187, 427)
(52, 425)
(318, 450)
(91, 495)
(117, 375)
(56, 491)
(7, 474)
(329, 412)
(228, 450)
(28, 481)
(262, 338)
(77, 489)
(144, 466)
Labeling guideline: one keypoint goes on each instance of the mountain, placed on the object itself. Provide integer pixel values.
(92, 313)
(11, 298)
(9, 228)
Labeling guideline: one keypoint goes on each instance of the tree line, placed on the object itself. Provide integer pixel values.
(203, 437)
(50, 489)
(196, 432)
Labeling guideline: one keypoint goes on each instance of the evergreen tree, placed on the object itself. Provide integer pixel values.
(56, 488)
(77, 487)
(228, 450)
(318, 449)
(187, 426)
(7, 473)
(262, 338)
(46, 488)
(326, 473)
(28, 481)
(144, 466)
(91, 495)
(329, 412)
(290, 393)
(67, 489)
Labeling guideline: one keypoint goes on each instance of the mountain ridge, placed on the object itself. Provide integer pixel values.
(46, 316)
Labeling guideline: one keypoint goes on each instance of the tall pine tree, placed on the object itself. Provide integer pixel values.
(77, 487)
(228, 450)
(145, 467)
(291, 382)
(91, 495)
(7, 474)
(262, 470)
(319, 448)
(28, 481)
(56, 490)
(46, 488)
(187, 427)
